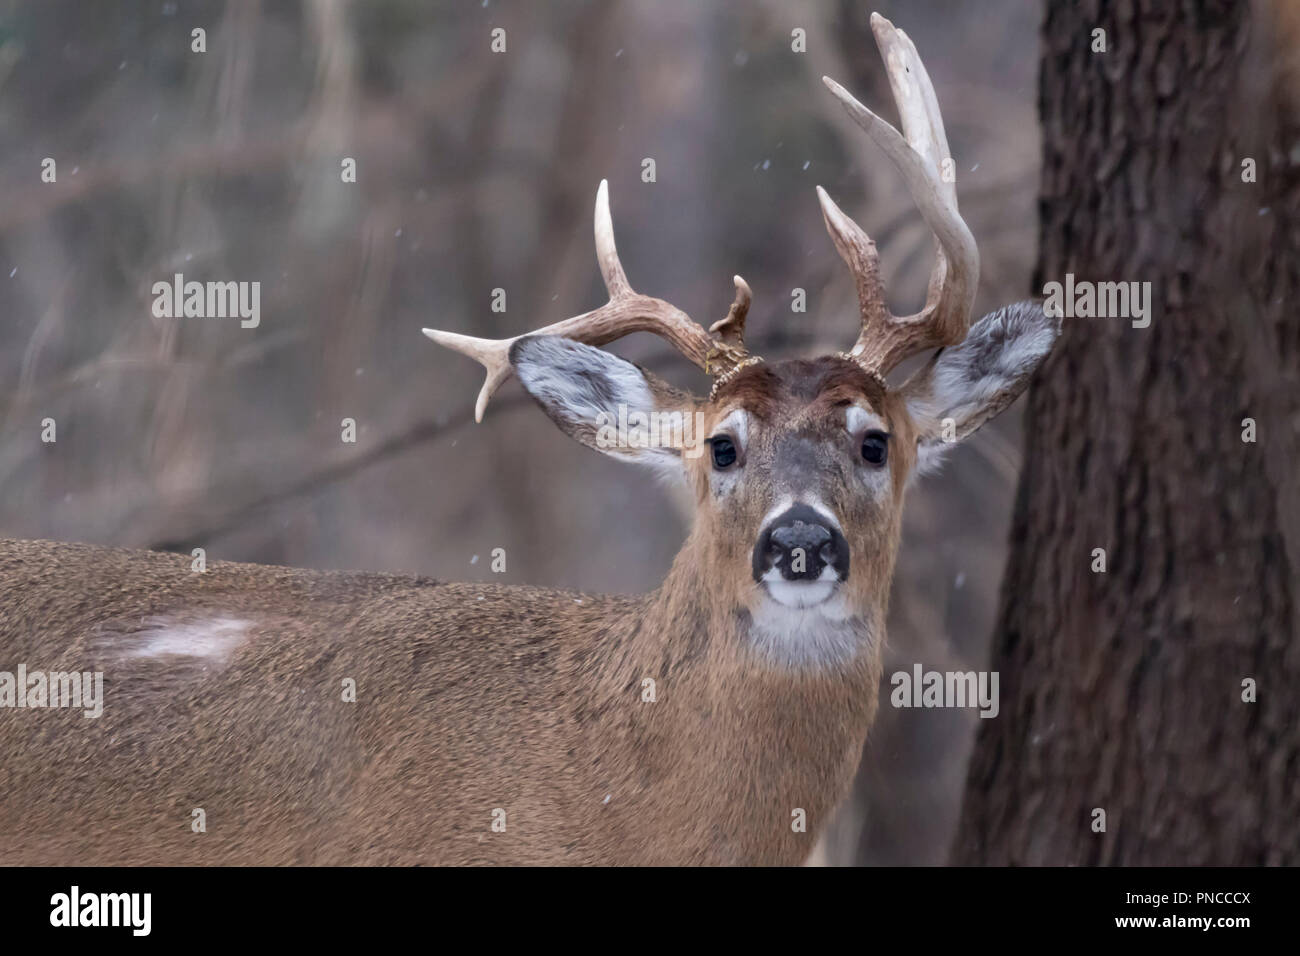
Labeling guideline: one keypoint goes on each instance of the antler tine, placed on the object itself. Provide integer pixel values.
(886, 339)
(611, 268)
(731, 329)
(492, 354)
(858, 251)
(626, 312)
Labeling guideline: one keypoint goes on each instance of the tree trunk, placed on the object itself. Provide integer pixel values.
(1123, 691)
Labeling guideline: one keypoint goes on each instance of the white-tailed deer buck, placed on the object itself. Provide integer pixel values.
(701, 723)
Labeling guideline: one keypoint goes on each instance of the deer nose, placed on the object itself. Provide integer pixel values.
(801, 544)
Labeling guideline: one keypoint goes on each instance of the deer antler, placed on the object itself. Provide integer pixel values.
(887, 339)
(626, 312)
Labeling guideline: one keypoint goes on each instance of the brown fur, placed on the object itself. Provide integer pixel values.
(469, 698)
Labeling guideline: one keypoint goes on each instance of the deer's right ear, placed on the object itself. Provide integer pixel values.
(605, 402)
(965, 385)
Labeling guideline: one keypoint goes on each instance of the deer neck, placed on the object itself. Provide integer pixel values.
(724, 737)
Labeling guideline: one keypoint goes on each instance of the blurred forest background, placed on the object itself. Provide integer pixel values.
(475, 171)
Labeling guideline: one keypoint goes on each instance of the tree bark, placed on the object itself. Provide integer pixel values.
(1123, 690)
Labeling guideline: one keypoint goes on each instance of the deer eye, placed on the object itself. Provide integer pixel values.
(875, 448)
(724, 452)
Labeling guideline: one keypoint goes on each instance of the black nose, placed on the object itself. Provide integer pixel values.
(802, 543)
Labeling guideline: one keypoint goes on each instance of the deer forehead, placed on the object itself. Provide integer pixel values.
(805, 394)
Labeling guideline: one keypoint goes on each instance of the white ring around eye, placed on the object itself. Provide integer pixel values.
(858, 421)
(736, 427)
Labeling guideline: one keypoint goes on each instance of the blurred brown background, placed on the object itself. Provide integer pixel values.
(475, 170)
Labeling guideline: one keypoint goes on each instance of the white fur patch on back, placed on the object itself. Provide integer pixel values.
(203, 638)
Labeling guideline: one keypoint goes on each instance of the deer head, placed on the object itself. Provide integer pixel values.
(798, 467)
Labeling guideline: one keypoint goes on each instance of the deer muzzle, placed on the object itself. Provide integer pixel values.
(801, 545)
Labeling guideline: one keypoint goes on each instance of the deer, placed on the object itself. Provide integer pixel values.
(717, 720)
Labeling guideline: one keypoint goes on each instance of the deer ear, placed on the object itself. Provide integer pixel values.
(607, 403)
(965, 385)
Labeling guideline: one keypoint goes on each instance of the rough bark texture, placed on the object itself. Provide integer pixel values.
(1123, 690)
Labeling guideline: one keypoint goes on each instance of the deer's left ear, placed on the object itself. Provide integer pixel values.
(605, 402)
(965, 385)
